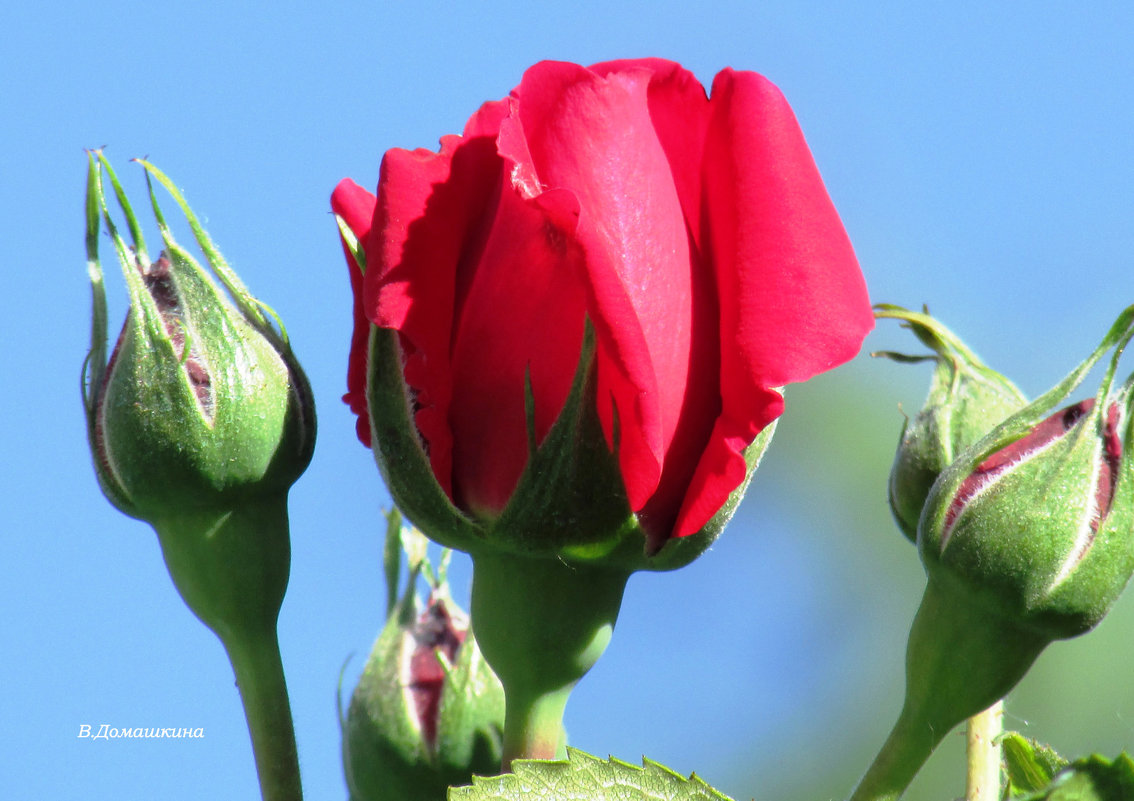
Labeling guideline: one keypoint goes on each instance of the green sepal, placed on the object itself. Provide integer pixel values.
(254, 310)
(392, 558)
(1093, 778)
(584, 776)
(352, 243)
(400, 454)
(470, 728)
(95, 365)
(1029, 764)
(569, 503)
(570, 500)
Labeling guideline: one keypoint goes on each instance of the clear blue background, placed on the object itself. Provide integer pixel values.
(981, 158)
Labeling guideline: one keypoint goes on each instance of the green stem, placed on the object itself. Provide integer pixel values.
(983, 751)
(541, 624)
(533, 727)
(263, 691)
(960, 660)
(906, 749)
(231, 568)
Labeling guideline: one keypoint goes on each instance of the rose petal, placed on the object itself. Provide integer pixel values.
(356, 206)
(428, 220)
(594, 135)
(793, 301)
(679, 111)
(523, 316)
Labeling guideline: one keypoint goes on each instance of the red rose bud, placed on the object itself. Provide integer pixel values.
(1027, 537)
(966, 400)
(201, 419)
(691, 234)
(428, 712)
(572, 326)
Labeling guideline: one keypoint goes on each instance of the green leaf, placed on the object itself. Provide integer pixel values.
(1093, 778)
(1031, 765)
(582, 776)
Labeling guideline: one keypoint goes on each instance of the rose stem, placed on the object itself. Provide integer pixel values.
(259, 674)
(983, 751)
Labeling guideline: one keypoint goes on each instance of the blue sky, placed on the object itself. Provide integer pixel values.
(980, 156)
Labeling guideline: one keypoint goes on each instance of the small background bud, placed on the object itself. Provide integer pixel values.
(966, 400)
(202, 401)
(428, 712)
(1032, 521)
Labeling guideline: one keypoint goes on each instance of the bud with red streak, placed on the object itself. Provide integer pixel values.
(428, 712)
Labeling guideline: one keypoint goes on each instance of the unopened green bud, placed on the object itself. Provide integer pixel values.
(1027, 537)
(428, 711)
(201, 419)
(1035, 544)
(966, 400)
(1036, 522)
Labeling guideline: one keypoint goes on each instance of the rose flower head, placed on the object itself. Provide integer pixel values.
(584, 308)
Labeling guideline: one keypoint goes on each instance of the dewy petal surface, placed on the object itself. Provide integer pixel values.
(679, 112)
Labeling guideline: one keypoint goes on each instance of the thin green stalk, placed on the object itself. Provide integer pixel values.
(231, 569)
(907, 748)
(959, 661)
(982, 781)
(263, 691)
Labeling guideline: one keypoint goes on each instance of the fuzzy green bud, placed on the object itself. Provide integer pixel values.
(1027, 537)
(428, 712)
(201, 419)
(1031, 530)
(1040, 530)
(966, 400)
